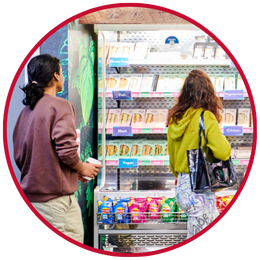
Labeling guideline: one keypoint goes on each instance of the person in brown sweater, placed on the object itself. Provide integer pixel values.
(46, 151)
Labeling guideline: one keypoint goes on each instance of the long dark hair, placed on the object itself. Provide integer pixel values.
(40, 72)
(197, 92)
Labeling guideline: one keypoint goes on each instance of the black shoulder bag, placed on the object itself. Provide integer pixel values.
(206, 176)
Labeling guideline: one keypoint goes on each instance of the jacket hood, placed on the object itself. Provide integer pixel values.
(178, 129)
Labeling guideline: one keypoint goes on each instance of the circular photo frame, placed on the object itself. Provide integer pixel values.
(150, 13)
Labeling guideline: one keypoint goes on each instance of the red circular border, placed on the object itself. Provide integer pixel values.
(109, 7)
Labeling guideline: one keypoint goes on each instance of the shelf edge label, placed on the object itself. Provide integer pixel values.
(119, 62)
(128, 163)
(122, 131)
(236, 94)
(122, 95)
(233, 130)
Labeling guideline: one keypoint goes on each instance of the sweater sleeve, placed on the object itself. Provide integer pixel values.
(217, 142)
(64, 136)
(171, 155)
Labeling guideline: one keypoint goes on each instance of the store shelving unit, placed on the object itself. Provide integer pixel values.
(153, 177)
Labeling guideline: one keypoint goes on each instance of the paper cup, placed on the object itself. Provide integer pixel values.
(91, 160)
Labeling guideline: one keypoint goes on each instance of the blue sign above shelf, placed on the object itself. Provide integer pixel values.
(122, 95)
(119, 62)
(122, 131)
(171, 40)
(128, 163)
(233, 130)
(236, 94)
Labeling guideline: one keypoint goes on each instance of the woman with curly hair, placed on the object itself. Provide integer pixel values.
(197, 95)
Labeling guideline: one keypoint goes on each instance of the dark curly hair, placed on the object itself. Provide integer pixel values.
(40, 71)
(197, 92)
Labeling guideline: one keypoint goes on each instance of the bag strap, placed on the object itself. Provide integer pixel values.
(202, 128)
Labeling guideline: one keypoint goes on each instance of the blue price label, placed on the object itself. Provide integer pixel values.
(236, 94)
(122, 95)
(128, 163)
(122, 131)
(119, 62)
(233, 130)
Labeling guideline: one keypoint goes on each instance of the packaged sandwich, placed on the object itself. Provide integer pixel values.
(126, 117)
(100, 151)
(113, 118)
(229, 82)
(113, 149)
(162, 83)
(127, 49)
(166, 152)
(147, 83)
(135, 82)
(243, 152)
(136, 148)
(148, 150)
(125, 148)
(100, 117)
(138, 118)
(113, 82)
(198, 50)
(240, 83)
(141, 50)
(124, 82)
(150, 117)
(100, 85)
(217, 82)
(161, 117)
(243, 117)
(209, 51)
(100, 50)
(219, 53)
(222, 122)
(115, 50)
(159, 149)
(230, 117)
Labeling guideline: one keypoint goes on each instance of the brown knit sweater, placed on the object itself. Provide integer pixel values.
(45, 148)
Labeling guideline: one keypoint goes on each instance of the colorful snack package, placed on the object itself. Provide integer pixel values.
(105, 210)
(121, 211)
(153, 208)
(182, 217)
(137, 211)
(168, 207)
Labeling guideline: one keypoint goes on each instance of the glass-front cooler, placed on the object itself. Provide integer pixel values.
(141, 71)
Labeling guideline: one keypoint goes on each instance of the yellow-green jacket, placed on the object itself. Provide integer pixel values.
(184, 136)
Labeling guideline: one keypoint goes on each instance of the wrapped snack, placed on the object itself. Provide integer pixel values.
(115, 50)
(217, 82)
(100, 151)
(240, 83)
(120, 208)
(135, 82)
(105, 211)
(243, 152)
(100, 84)
(100, 125)
(153, 208)
(219, 53)
(162, 83)
(136, 150)
(198, 50)
(168, 208)
(182, 217)
(148, 150)
(209, 51)
(137, 211)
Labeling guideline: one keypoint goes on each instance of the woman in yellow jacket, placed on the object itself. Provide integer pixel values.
(197, 95)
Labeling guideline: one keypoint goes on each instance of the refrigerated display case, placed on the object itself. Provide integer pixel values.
(152, 177)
